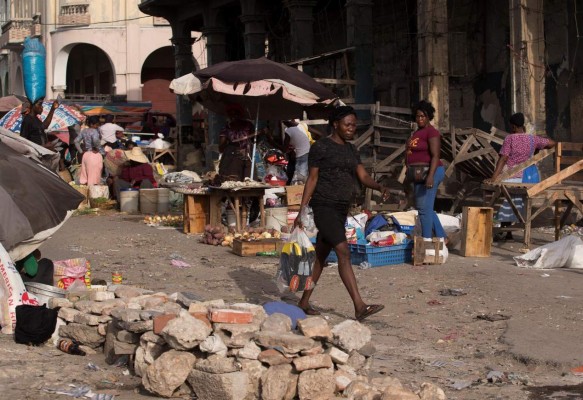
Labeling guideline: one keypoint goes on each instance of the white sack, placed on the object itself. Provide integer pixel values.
(567, 252)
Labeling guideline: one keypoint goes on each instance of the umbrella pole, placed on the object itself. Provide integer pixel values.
(254, 144)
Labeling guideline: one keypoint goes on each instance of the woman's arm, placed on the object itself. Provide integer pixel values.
(367, 181)
(309, 188)
(434, 152)
(49, 117)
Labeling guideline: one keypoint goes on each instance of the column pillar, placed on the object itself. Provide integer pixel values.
(183, 64)
(216, 53)
(359, 33)
(254, 35)
(527, 51)
(432, 35)
(301, 27)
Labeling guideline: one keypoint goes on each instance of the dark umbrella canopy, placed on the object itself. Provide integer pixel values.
(264, 88)
(264, 69)
(33, 199)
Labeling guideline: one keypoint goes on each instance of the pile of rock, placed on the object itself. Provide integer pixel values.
(180, 345)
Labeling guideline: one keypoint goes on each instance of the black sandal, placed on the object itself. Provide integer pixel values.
(309, 310)
(369, 310)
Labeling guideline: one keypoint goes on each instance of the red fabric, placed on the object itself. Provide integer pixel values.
(418, 145)
(138, 174)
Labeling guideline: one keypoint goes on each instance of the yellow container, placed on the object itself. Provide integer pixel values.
(116, 278)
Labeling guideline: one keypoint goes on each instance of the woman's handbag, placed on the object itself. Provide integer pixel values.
(417, 173)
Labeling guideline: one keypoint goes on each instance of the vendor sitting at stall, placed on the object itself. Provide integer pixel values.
(33, 268)
(235, 145)
(137, 173)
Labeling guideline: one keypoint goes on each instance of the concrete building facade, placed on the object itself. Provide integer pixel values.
(96, 49)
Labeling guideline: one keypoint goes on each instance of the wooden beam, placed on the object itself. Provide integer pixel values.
(392, 157)
(395, 110)
(512, 205)
(552, 180)
(520, 167)
(575, 200)
(331, 81)
(461, 152)
(474, 154)
(548, 203)
(365, 137)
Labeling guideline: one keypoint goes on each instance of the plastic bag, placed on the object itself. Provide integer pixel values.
(34, 69)
(307, 218)
(296, 262)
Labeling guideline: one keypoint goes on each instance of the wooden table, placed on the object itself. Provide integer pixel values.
(237, 204)
(205, 208)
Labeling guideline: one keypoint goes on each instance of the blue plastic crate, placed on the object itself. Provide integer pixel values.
(388, 255)
(355, 257)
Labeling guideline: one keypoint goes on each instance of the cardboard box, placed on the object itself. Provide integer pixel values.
(294, 194)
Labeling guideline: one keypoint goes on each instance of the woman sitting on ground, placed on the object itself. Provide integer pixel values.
(137, 173)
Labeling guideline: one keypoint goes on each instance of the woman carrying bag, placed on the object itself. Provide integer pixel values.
(425, 170)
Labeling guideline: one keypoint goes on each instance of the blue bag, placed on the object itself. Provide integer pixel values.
(34, 70)
(375, 224)
(531, 174)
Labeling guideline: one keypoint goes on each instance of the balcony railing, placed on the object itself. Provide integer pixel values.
(14, 32)
(77, 14)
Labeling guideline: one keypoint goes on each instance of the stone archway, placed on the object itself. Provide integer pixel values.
(156, 75)
(83, 70)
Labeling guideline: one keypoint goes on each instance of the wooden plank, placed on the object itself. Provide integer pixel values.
(527, 221)
(572, 146)
(389, 145)
(552, 180)
(461, 152)
(571, 196)
(512, 205)
(569, 160)
(474, 154)
(476, 231)
(395, 110)
(516, 169)
(364, 138)
(548, 203)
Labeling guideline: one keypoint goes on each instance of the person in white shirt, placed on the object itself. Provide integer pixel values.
(108, 131)
(298, 137)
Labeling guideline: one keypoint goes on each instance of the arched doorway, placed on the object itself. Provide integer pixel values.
(157, 72)
(89, 72)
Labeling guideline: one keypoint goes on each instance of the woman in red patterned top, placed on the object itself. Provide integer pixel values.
(423, 150)
(518, 147)
(235, 145)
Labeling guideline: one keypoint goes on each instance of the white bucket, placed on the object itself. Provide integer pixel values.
(276, 218)
(44, 292)
(148, 201)
(163, 200)
(231, 218)
(129, 200)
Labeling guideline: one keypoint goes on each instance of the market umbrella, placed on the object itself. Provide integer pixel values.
(35, 202)
(63, 117)
(264, 88)
(7, 103)
(48, 158)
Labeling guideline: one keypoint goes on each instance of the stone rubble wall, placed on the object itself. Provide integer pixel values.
(179, 345)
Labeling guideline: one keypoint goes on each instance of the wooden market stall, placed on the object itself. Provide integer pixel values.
(556, 191)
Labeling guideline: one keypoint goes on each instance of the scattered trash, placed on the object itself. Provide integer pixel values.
(434, 303)
(545, 275)
(452, 292)
(180, 264)
(92, 367)
(459, 385)
(493, 317)
(475, 265)
(563, 297)
(451, 337)
(364, 265)
(577, 370)
(125, 372)
(407, 297)
(422, 290)
(495, 376)
(122, 361)
(76, 392)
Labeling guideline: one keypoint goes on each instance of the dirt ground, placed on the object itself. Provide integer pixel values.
(420, 336)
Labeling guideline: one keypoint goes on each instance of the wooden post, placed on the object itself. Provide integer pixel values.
(527, 221)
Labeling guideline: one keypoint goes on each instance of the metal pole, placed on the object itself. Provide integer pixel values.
(255, 142)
